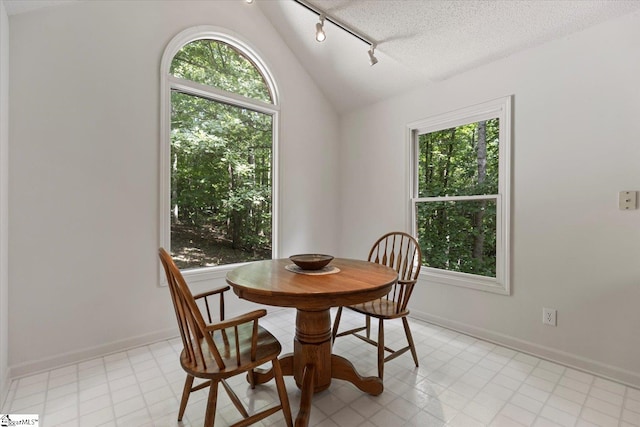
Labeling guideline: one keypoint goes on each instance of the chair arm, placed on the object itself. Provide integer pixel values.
(238, 320)
(212, 292)
(404, 295)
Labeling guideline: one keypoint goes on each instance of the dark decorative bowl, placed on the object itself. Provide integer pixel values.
(311, 261)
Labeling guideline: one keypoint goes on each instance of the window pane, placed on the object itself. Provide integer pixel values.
(459, 161)
(218, 64)
(220, 183)
(458, 235)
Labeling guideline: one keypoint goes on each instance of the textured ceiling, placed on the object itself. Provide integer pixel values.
(419, 41)
(422, 41)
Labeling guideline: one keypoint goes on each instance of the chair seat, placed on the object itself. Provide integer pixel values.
(267, 349)
(381, 308)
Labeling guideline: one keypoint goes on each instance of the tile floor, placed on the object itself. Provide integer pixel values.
(461, 381)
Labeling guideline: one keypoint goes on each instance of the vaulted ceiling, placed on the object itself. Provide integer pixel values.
(418, 41)
(423, 41)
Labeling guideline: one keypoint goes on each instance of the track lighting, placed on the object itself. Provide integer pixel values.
(320, 35)
(372, 58)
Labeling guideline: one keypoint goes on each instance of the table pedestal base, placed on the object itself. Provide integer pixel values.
(312, 364)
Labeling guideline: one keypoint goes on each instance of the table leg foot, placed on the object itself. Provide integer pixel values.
(261, 376)
(342, 369)
(302, 420)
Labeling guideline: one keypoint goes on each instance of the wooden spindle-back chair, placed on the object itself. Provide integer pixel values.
(216, 351)
(401, 252)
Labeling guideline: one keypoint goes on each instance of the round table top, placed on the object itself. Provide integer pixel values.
(269, 282)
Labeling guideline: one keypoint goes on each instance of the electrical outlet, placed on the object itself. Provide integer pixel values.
(549, 316)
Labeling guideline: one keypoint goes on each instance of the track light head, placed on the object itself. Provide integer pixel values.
(372, 58)
(320, 35)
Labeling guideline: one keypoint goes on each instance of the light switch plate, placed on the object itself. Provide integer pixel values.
(628, 200)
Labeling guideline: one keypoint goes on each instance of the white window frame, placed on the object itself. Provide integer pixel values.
(169, 82)
(498, 108)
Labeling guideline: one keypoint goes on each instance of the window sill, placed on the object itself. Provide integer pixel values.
(195, 275)
(464, 280)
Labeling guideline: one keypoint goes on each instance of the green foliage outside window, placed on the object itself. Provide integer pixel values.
(221, 188)
(220, 65)
(459, 235)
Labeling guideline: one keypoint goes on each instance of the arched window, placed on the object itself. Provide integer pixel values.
(218, 154)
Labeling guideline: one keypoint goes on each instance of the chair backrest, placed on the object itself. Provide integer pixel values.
(401, 252)
(190, 322)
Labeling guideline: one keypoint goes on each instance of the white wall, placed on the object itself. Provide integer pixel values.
(4, 210)
(83, 183)
(84, 170)
(576, 145)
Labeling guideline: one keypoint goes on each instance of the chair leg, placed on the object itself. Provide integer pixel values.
(186, 391)
(210, 415)
(407, 331)
(367, 323)
(282, 392)
(336, 323)
(380, 348)
(252, 379)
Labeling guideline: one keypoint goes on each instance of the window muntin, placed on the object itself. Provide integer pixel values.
(246, 108)
(460, 195)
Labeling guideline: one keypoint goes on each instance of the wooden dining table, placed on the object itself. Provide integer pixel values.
(343, 282)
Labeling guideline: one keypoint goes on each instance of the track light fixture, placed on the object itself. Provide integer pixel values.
(320, 35)
(372, 58)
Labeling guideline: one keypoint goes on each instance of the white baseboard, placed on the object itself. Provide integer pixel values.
(575, 361)
(629, 378)
(33, 367)
(61, 360)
